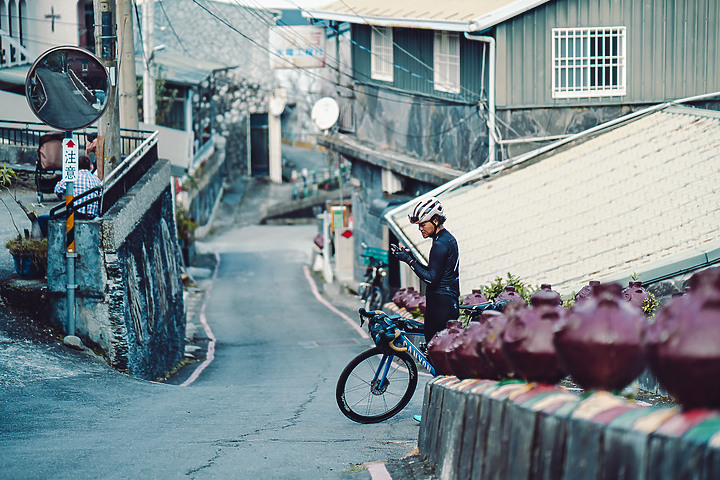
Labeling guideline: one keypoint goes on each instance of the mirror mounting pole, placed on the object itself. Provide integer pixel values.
(109, 123)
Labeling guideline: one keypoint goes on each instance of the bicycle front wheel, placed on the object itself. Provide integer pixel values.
(366, 395)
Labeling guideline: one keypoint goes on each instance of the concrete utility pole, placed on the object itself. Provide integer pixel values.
(148, 27)
(128, 79)
(109, 123)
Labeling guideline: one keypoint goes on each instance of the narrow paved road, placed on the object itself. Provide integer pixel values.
(263, 409)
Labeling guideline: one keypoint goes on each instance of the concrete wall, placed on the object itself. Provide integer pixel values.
(209, 171)
(129, 298)
(443, 133)
(457, 135)
(507, 431)
(13, 155)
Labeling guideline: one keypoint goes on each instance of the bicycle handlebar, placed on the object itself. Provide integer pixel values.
(392, 343)
(366, 314)
(481, 307)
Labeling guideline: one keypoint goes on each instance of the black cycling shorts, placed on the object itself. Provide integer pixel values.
(439, 308)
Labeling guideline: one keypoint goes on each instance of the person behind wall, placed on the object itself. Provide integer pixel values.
(84, 181)
(91, 144)
(442, 274)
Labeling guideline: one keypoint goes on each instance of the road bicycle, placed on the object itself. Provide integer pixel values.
(379, 382)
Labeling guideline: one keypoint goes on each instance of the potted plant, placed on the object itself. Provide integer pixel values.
(29, 254)
(186, 226)
(29, 251)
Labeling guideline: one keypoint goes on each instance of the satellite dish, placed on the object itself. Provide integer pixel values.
(325, 113)
(277, 105)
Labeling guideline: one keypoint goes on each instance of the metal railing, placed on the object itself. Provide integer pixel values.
(123, 177)
(27, 134)
(12, 52)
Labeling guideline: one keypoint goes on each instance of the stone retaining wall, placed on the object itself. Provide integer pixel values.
(494, 430)
(129, 297)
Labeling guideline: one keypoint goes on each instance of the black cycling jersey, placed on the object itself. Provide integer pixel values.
(442, 274)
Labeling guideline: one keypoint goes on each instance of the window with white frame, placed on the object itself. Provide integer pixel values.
(446, 59)
(588, 62)
(381, 48)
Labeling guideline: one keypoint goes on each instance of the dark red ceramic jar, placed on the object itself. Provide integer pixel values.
(547, 295)
(412, 302)
(475, 298)
(683, 343)
(491, 346)
(408, 296)
(599, 341)
(441, 345)
(586, 290)
(528, 339)
(636, 294)
(398, 297)
(466, 359)
(509, 294)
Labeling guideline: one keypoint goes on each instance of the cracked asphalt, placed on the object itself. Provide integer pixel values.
(264, 408)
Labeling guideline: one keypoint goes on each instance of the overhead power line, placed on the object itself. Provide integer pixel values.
(268, 50)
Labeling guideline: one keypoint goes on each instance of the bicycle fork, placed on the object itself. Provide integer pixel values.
(380, 381)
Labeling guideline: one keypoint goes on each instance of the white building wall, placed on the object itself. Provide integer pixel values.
(43, 24)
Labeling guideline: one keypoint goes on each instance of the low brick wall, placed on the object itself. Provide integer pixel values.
(494, 430)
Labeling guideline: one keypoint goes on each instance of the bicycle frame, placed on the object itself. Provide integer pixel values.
(400, 343)
(414, 351)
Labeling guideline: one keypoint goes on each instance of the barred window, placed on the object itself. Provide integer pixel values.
(381, 47)
(588, 62)
(446, 68)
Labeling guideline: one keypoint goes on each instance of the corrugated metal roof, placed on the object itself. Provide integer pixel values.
(181, 69)
(457, 15)
(628, 200)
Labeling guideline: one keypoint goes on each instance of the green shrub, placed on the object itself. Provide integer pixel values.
(497, 286)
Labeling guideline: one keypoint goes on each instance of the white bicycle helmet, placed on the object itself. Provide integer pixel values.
(425, 210)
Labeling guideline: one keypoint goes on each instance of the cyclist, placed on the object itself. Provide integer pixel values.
(442, 274)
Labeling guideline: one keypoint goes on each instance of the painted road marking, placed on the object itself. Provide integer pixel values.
(320, 299)
(378, 471)
(203, 320)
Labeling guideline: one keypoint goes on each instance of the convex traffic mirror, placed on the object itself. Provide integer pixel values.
(67, 88)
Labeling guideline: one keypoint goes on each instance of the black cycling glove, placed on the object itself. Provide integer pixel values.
(403, 255)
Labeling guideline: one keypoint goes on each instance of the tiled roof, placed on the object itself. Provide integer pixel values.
(624, 201)
(465, 15)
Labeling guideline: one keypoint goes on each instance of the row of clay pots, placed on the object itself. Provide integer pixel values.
(603, 342)
(409, 299)
(634, 293)
(477, 297)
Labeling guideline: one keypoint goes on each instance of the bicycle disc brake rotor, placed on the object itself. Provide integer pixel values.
(377, 389)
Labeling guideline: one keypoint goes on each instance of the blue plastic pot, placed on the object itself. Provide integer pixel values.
(26, 268)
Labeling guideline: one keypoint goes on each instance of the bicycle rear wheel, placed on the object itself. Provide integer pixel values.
(363, 399)
(374, 299)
